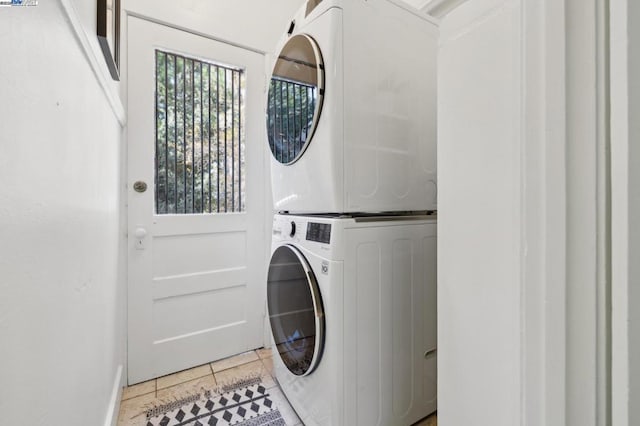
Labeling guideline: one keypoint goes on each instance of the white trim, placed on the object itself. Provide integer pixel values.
(604, 225)
(564, 253)
(269, 62)
(565, 353)
(621, 51)
(421, 5)
(116, 396)
(555, 216)
(587, 219)
(164, 23)
(94, 57)
(416, 11)
(440, 8)
(544, 214)
(543, 210)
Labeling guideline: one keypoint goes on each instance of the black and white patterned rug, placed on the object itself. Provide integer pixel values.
(245, 404)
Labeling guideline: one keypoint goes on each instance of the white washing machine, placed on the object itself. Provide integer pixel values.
(352, 307)
(351, 110)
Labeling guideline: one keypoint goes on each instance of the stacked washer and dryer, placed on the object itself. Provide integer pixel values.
(351, 286)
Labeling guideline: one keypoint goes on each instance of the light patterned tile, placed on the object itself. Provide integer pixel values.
(234, 361)
(139, 389)
(187, 389)
(268, 364)
(184, 376)
(264, 353)
(133, 411)
(252, 369)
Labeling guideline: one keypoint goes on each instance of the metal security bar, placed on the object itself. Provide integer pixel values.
(291, 110)
(199, 158)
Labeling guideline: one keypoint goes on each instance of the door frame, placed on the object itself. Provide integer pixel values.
(566, 348)
(625, 157)
(172, 354)
(135, 9)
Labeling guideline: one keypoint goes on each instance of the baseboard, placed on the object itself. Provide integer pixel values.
(116, 396)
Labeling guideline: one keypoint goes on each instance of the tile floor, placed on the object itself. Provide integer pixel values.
(137, 399)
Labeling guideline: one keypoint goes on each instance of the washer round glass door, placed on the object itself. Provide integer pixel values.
(295, 310)
(295, 98)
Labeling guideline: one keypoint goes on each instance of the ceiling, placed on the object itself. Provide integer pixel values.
(435, 8)
(418, 4)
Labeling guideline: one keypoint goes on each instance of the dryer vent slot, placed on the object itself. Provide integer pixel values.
(311, 4)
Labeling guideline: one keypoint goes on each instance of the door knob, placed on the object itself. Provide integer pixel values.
(140, 186)
(140, 240)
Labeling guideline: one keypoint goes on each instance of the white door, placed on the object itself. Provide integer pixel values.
(196, 233)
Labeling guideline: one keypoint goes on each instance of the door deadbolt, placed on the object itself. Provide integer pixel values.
(140, 186)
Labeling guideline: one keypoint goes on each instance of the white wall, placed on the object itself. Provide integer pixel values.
(479, 235)
(625, 131)
(523, 254)
(254, 24)
(61, 302)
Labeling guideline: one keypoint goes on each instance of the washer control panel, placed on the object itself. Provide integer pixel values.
(319, 232)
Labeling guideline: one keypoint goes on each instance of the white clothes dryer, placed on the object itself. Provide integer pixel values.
(352, 307)
(351, 110)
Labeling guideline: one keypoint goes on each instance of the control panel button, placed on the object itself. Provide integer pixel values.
(293, 229)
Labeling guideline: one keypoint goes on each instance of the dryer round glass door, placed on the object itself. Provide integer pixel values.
(295, 98)
(295, 310)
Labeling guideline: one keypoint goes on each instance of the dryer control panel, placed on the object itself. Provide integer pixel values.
(319, 232)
